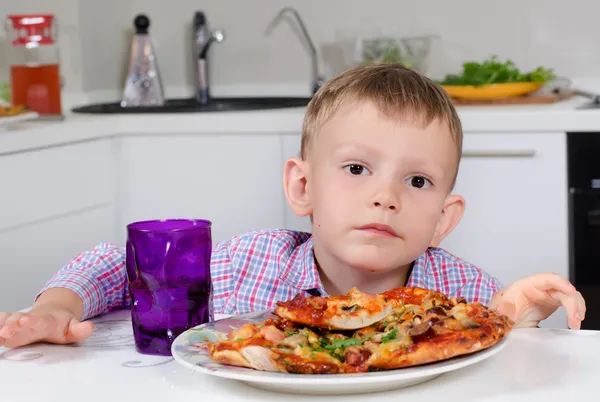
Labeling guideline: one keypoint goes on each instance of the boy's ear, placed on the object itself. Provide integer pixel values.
(295, 185)
(454, 208)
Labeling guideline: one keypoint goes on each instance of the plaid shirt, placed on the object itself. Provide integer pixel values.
(255, 270)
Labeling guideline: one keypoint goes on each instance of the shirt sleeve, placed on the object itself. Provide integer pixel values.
(98, 276)
(223, 276)
(479, 288)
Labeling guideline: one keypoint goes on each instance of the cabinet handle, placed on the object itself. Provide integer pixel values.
(505, 153)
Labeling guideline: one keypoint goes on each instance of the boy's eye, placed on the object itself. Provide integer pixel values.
(356, 170)
(418, 181)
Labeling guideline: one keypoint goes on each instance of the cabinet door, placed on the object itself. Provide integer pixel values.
(55, 203)
(31, 254)
(233, 180)
(291, 148)
(515, 222)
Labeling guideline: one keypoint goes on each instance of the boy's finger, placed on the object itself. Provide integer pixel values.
(79, 331)
(3, 317)
(550, 280)
(10, 325)
(581, 308)
(34, 321)
(571, 305)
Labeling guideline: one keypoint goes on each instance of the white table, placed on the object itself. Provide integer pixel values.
(536, 365)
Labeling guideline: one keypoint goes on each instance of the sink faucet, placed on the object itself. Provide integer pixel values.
(317, 79)
(203, 39)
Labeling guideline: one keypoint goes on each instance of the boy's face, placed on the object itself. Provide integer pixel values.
(378, 188)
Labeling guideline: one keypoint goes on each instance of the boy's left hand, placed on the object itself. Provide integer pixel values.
(534, 298)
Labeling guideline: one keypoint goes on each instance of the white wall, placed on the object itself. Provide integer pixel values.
(555, 33)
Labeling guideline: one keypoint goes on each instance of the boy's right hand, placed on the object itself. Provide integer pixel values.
(42, 324)
(53, 318)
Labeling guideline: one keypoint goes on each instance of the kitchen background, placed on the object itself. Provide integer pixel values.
(96, 36)
(526, 169)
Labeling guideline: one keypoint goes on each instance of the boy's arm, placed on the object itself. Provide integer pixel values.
(92, 283)
(97, 276)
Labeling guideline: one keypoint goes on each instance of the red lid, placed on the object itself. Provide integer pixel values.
(37, 28)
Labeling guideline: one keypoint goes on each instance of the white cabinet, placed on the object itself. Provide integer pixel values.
(515, 222)
(54, 203)
(234, 180)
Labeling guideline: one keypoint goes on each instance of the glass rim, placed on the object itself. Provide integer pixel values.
(205, 224)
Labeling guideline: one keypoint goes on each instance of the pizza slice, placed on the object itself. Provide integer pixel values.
(351, 311)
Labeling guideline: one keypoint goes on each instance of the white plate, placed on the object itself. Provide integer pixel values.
(20, 117)
(191, 356)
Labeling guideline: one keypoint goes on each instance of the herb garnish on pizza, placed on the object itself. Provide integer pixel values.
(361, 332)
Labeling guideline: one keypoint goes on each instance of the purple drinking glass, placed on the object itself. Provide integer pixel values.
(168, 272)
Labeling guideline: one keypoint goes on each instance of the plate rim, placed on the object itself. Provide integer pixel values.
(407, 373)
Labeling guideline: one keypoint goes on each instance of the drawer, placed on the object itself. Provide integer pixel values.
(47, 183)
(513, 145)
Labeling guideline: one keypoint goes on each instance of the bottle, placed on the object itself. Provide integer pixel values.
(143, 86)
(33, 56)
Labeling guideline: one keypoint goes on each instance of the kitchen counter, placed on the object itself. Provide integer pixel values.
(559, 117)
(536, 364)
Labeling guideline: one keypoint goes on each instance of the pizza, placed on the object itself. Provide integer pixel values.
(402, 327)
(351, 311)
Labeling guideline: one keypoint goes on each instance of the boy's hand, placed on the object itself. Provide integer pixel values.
(45, 323)
(534, 298)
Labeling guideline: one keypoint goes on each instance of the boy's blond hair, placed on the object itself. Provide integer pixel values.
(398, 92)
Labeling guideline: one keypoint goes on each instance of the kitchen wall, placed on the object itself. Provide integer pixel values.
(96, 36)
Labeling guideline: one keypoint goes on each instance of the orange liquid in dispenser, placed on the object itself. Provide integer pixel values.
(37, 87)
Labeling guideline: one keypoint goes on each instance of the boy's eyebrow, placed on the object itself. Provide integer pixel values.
(349, 147)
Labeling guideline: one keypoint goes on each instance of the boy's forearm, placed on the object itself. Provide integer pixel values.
(60, 298)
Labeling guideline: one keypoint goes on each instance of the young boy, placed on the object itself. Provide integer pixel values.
(381, 146)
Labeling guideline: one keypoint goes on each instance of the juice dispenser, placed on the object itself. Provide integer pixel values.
(33, 56)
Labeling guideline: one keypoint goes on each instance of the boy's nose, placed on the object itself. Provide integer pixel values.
(386, 203)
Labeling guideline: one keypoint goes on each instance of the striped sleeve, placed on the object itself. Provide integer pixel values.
(439, 270)
(222, 275)
(98, 276)
(479, 288)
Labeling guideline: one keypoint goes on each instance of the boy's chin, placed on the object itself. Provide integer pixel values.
(375, 262)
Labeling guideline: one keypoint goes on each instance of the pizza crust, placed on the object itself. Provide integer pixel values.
(360, 320)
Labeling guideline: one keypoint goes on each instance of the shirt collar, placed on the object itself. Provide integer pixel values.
(301, 270)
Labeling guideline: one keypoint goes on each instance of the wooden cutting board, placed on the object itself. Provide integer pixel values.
(516, 100)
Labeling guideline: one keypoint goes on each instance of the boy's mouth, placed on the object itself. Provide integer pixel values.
(379, 230)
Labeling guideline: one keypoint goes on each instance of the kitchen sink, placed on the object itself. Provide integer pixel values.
(190, 105)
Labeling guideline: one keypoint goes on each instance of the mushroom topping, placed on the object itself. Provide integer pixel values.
(469, 323)
(420, 332)
(436, 310)
(458, 300)
(350, 309)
